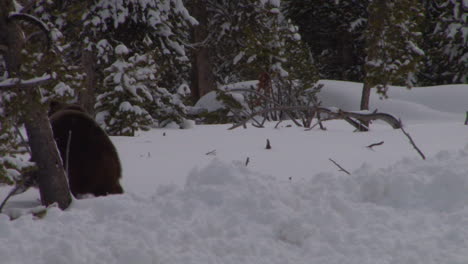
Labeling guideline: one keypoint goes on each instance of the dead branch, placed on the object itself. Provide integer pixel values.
(213, 152)
(20, 187)
(350, 117)
(375, 144)
(338, 165)
(266, 98)
(412, 143)
(268, 145)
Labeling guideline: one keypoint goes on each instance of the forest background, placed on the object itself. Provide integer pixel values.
(138, 64)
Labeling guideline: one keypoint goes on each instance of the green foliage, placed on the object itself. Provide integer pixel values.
(122, 107)
(153, 32)
(13, 159)
(252, 40)
(446, 42)
(392, 40)
(38, 58)
(334, 32)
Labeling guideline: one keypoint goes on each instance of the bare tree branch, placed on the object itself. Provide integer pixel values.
(338, 165)
(332, 114)
(265, 98)
(412, 143)
(375, 144)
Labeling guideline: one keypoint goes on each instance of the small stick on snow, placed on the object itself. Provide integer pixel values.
(375, 144)
(213, 152)
(412, 143)
(247, 161)
(268, 145)
(341, 168)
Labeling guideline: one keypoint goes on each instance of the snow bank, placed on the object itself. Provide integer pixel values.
(411, 212)
(444, 102)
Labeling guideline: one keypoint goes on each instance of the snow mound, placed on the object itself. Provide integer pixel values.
(439, 184)
(412, 212)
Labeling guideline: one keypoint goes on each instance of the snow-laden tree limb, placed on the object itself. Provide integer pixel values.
(34, 20)
(27, 84)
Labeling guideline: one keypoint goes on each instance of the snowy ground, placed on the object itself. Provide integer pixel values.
(290, 204)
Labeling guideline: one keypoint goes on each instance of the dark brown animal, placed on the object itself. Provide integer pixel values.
(88, 154)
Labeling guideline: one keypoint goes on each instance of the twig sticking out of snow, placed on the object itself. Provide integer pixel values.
(338, 165)
(247, 161)
(213, 152)
(375, 144)
(412, 143)
(268, 145)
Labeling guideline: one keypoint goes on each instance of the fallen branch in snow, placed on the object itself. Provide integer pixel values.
(213, 152)
(338, 165)
(375, 144)
(20, 187)
(352, 118)
(266, 98)
(412, 143)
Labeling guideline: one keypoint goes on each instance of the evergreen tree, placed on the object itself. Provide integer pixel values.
(446, 42)
(252, 40)
(334, 31)
(392, 45)
(154, 33)
(123, 105)
(13, 150)
(20, 48)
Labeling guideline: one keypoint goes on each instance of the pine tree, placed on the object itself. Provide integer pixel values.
(392, 46)
(446, 42)
(153, 30)
(334, 31)
(19, 50)
(13, 150)
(122, 107)
(252, 40)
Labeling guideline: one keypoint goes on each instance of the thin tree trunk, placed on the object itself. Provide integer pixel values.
(51, 178)
(203, 80)
(366, 91)
(87, 96)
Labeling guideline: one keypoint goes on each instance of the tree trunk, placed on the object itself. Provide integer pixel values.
(366, 91)
(87, 96)
(51, 176)
(203, 80)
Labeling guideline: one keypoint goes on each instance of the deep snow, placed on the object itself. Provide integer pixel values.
(290, 204)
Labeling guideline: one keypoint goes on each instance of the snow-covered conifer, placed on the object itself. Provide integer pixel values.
(122, 108)
(446, 41)
(392, 43)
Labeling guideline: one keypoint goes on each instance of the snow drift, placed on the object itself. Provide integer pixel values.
(411, 212)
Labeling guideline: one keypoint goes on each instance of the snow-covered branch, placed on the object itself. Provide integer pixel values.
(34, 20)
(31, 83)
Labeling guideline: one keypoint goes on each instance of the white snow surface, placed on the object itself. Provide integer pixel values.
(190, 198)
